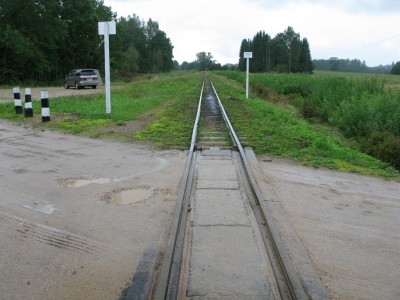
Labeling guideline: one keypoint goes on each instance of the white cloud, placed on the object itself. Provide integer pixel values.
(344, 28)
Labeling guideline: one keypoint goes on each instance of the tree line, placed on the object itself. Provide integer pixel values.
(204, 61)
(286, 53)
(350, 65)
(41, 40)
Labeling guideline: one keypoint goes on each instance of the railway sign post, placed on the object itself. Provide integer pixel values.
(107, 28)
(247, 55)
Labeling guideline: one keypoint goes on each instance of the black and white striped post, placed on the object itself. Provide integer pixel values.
(28, 112)
(17, 101)
(44, 95)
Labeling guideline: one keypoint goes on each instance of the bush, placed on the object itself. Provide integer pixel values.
(384, 146)
(396, 69)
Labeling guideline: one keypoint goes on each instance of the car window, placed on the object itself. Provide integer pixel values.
(87, 73)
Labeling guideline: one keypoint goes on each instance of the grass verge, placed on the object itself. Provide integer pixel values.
(279, 131)
(164, 100)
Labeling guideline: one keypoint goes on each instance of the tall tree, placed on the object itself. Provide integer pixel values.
(286, 52)
(27, 21)
(246, 46)
(305, 61)
(293, 48)
(259, 62)
(83, 47)
(204, 60)
(395, 69)
(160, 52)
(334, 64)
(279, 54)
(41, 40)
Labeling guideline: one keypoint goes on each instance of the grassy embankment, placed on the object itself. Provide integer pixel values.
(168, 102)
(290, 111)
(161, 109)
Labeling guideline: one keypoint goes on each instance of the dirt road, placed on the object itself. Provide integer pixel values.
(348, 225)
(77, 216)
(54, 92)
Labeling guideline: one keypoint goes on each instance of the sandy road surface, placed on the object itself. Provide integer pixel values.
(77, 215)
(54, 92)
(348, 224)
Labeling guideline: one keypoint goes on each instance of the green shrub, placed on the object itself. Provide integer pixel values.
(385, 146)
(358, 106)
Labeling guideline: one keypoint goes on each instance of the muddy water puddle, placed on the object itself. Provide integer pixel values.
(81, 182)
(85, 182)
(131, 196)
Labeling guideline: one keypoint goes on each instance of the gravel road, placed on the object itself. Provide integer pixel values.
(77, 216)
(54, 92)
(348, 224)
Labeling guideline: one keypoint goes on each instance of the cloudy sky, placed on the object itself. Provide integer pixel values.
(364, 29)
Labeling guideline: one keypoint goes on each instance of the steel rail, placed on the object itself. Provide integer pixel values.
(293, 283)
(167, 285)
(291, 287)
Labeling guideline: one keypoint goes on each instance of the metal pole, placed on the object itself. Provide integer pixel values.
(107, 67)
(247, 78)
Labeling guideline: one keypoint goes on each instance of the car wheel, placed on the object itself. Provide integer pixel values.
(66, 86)
(94, 86)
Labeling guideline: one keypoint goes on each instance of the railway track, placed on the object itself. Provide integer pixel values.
(222, 243)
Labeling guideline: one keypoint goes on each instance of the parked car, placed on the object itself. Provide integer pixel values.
(79, 78)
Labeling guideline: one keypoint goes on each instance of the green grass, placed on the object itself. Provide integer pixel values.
(173, 124)
(390, 81)
(361, 106)
(165, 106)
(147, 97)
(275, 130)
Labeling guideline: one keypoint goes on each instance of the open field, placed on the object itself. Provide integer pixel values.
(390, 81)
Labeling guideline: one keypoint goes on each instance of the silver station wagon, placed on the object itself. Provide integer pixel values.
(79, 78)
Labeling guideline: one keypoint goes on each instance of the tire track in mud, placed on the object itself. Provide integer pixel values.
(23, 229)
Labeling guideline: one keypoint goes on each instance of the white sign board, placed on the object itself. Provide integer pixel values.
(112, 29)
(248, 55)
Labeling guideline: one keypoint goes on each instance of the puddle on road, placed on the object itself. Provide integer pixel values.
(47, 209)
(131, 196)
(85, 182)
(74, 183)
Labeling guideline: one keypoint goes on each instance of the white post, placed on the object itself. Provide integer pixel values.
(107, 28)
(107, 67)
(247, 55)
(247, 78)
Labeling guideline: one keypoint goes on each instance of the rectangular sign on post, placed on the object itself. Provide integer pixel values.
(111, 27)
(248, 55)
(107, 28)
